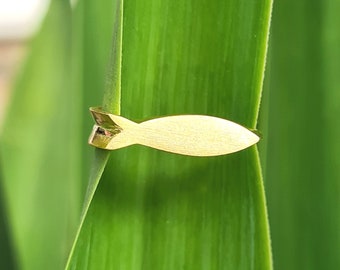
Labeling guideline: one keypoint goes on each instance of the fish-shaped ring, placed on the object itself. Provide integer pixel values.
(192, 135)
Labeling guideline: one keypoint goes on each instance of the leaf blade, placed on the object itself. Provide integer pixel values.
(151, 209)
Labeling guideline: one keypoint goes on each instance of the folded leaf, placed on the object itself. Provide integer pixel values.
(155, 210)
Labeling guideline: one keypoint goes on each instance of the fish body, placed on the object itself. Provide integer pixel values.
(193, 135)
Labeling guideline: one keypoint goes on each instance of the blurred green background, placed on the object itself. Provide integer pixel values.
(298, 118)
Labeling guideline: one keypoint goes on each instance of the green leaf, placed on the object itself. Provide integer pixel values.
(40, 149)
(155, 210)
(302, 175)
(7, 256)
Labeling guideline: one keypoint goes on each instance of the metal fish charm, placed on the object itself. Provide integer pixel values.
(193, 135)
